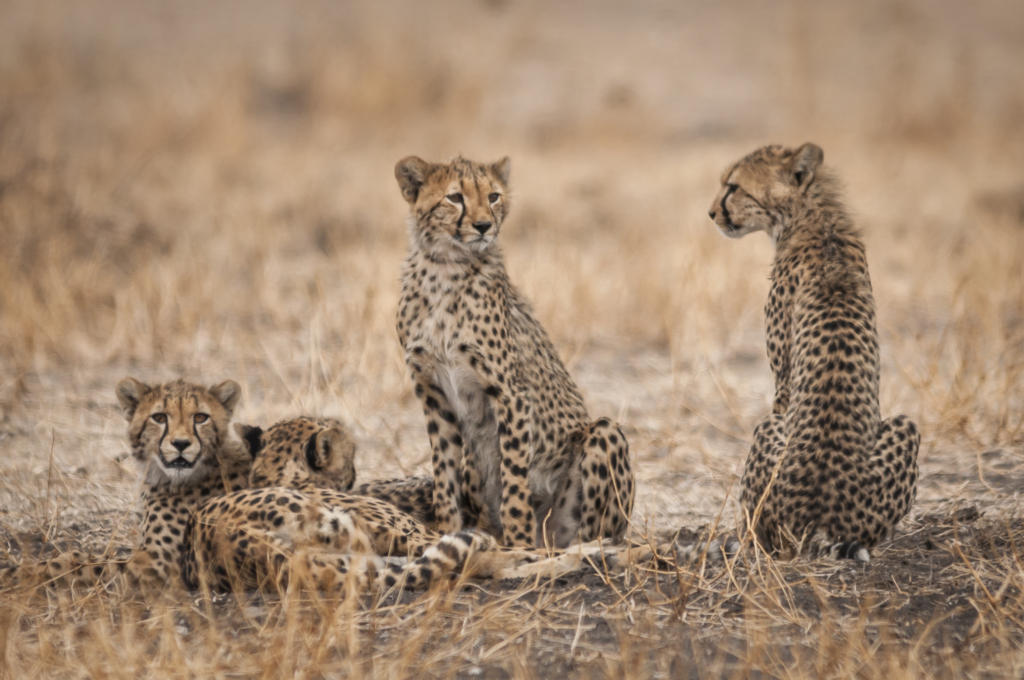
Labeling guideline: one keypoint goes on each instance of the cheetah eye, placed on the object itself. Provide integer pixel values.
(455, 198)
(200, 417)
(160, 418)
(494, 197)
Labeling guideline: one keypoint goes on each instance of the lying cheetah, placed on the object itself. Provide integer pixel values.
(178, 433)
(825, 474)
(509, 433)
(256, 537)
(412, 495)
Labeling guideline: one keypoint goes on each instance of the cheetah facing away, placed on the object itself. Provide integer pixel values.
(298, 514)
(512, 445)
(825, 474)
(412, 495)
(178, 433)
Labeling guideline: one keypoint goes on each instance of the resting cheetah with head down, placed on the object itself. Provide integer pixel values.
(412, 495)
(509, 433)
(825, 472)
(288, 520)
(178, 433)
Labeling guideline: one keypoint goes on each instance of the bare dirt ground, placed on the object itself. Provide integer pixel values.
(206, 190)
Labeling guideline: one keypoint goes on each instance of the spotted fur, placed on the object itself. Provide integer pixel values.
(512, 444)
(825, 473)
(289, 523)
(178, 434)
(412, 495)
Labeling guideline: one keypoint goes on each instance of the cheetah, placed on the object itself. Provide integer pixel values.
(825, 474)
(512, 445)
(412, 495)
(178, 434)
(193, 476)
(255, 538)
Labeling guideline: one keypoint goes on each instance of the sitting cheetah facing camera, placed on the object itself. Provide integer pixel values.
(509, 434)
(825, 474)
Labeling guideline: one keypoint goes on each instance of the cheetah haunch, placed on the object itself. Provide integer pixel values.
(825, 474)
(510, 437)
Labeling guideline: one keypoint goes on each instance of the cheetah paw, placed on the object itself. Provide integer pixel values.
(851, 550)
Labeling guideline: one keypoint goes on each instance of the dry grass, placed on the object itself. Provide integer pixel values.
(207, 191)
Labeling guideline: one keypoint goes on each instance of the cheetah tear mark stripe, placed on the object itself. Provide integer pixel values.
(166, 427)
(462, 213)
(725, 210)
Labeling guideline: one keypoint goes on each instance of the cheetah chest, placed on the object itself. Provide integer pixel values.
(435, 338)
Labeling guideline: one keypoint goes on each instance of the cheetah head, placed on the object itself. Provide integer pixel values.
(176, 429)
(302, 452)
(759, 191)
(458, 207)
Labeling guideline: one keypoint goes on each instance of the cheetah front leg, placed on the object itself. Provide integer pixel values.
(446, 445)
(475, 513)
(513, 412)
(515, 446)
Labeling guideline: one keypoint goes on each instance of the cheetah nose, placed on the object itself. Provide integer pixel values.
(181, 444)
(711, 214)
(482, 227)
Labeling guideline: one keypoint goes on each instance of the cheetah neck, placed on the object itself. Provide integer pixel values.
(441, 275)
(818, 217)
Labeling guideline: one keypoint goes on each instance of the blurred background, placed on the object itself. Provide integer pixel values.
(206, 190)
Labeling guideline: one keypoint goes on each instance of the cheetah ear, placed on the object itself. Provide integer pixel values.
(411, 172)
(313, 453)
(804, 162)
(227, 393)
(129, 393)
(252, 438)
(331, 448)
(502, 169)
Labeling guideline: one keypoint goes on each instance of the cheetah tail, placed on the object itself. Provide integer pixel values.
(452, 555)
(66, 570)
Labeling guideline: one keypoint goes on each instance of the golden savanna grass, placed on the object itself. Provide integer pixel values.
(206, 190)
